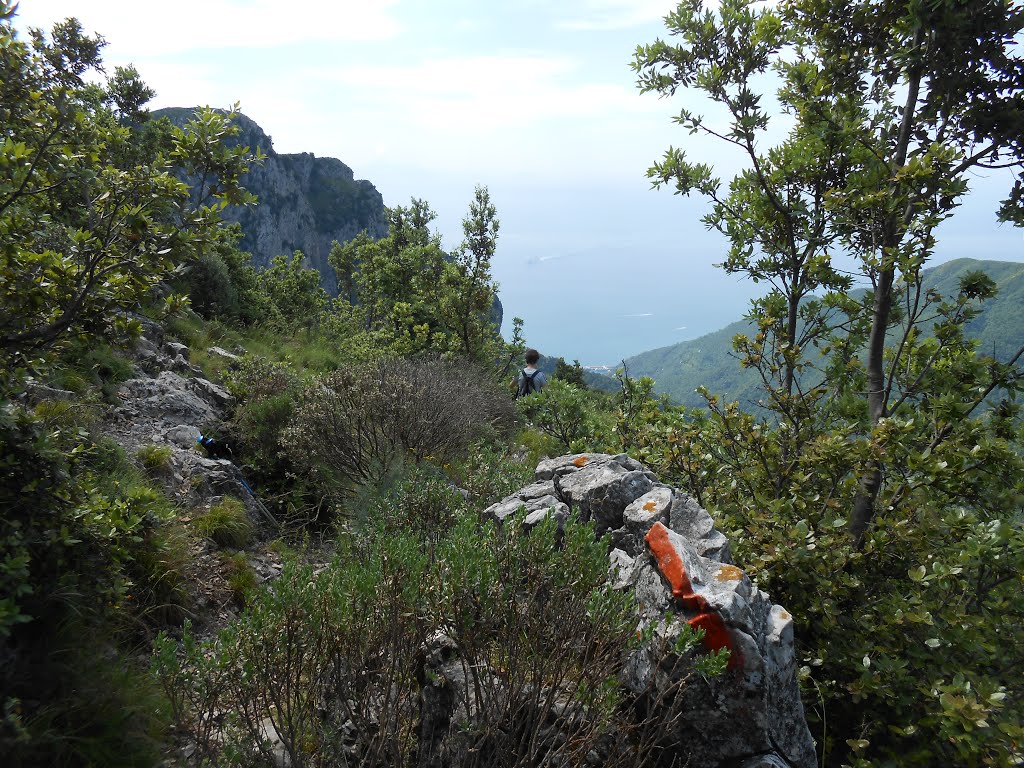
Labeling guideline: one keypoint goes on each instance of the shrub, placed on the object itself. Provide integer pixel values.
(423, 502)
(490, 473)
(242, 580)
(76, 530)
(155, 458)
(87, 705)
(371, 660)
(226, 524)
(64, 414)
(210, 288)
(266, 392)
(562, 411)
(353, 425)
(106, 368)
(909, 641)
(157, 575)
(479, 646)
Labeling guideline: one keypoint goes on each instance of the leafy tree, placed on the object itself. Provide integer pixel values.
(416, 297)
(469, 290)
(562, 411)
(571, 374)
(293, 291)
(860, 171)
(89, 219)
(393, 280)
(885, 420)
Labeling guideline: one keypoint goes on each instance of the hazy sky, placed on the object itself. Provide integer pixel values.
(533, 98)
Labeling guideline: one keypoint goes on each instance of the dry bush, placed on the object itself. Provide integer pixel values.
(354, 425)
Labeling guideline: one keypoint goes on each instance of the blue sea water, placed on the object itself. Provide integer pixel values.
(643, 274)
(603, 305)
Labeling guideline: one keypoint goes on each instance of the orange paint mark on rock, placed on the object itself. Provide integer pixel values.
(650, 506)
(716, 636)
(729, 573)
(784, 615)
(581, 461)
(672, 567)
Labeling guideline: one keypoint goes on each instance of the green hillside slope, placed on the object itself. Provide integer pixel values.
(708, 361)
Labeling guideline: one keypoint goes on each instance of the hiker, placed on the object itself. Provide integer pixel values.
(530, 379)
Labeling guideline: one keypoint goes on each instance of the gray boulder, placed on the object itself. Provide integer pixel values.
(667, 551)
(600, 488)
(168, 398)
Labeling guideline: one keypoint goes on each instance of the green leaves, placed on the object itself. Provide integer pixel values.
(91, 214)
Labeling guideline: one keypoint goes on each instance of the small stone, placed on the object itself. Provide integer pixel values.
(222, 353)
(177, 348)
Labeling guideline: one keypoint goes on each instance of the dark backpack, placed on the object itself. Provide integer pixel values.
(526, 385)
(215, 449)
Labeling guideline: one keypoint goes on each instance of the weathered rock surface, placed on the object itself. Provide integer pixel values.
(669, 553)
(306, 202)
(162, 407)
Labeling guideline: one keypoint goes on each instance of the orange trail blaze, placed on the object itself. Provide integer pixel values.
(716, 634)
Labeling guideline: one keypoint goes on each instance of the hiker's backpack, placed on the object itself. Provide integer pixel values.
(526, 385)
(215, 449)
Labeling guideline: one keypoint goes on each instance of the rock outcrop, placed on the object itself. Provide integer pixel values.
(305, 202)
(168, 405)
(666, 549)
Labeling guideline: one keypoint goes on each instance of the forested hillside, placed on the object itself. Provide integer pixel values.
(710, 361)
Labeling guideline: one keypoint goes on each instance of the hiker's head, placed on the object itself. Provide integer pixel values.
(531, 357)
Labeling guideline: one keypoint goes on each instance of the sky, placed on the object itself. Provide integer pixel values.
(534, 99)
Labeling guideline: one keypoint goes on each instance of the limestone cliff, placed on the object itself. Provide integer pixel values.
(305, 202)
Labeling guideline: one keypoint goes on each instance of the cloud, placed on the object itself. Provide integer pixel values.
(147, 29)
(608, 15)
(500, 89)
(502, 110)
(641, 314)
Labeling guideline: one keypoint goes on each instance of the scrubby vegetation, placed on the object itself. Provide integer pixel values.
(340, 660)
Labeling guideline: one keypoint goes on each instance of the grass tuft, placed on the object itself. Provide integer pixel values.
(226, 524)
(155, 458)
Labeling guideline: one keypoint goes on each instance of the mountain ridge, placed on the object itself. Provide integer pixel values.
(678, 369)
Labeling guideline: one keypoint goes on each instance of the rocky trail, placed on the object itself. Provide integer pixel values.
(167, 405)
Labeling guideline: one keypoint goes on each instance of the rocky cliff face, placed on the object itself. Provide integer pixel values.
(305, 202)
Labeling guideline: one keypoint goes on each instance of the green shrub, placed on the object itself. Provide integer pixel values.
(266, 393)
(64, 414)
(157, 571)
(76, 530)
(242, 579)
(909, 641)
(226, 524)
(107, 368)
(562, 411)
(490, 473)
(423, 502)
(88, 704)
(334, 657)
(155, 458)
(294, 292)
(210, 288)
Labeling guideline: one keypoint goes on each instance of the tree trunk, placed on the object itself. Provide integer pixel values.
(871, 482)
